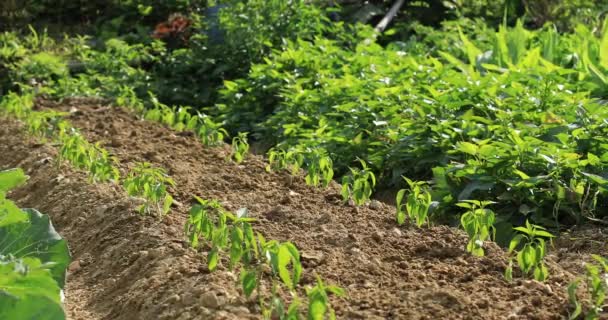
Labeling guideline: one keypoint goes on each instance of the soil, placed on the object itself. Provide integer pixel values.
(127, 266)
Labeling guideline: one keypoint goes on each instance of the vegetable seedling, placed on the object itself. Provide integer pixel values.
(530, 258)
(478, 223)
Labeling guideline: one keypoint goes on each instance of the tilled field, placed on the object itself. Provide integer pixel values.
(127, 266)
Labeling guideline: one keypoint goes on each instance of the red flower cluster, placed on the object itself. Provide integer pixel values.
(175, 28)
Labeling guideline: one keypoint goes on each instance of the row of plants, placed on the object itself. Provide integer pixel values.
(227, 231)
(33, 259)
(429, 118)
(261, 263)
(144, 181)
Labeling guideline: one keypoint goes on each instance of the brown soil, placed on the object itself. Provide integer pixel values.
(132, 267)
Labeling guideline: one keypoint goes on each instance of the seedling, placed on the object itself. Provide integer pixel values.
(417, 204)
(530, 257)
(240, 147)
(279, 159)
(208, 220)
(210, 133)
(128, 98)
(318, 300)
(150, 184)
(43, 124)
(319, 170)
(359, 184)
(83, 155)
(478, 222)
(225, 231)
(597, 288)
(20, 106)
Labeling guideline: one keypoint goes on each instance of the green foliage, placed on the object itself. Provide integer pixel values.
(240, 147)
(595, 295)
(150, 183)
(233, 233)
(319, 167)
(359, 184)
(318, 300)
(417, 205)
(28, 290)
(44, 124)
(33, 259)
(91, 157)
(41, 68)
(279, 159)
(531, 242)
(478, 222)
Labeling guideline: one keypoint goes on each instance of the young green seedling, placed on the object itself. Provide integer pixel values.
(210, 133)
(128, 98)
(417, 204)
(240, 147)
(478, 222)
(530, 258)
(150, 184)
(318, 300)
(596, 276)
(43, 124)
(319, 170)
(83, 155)
(359, 184)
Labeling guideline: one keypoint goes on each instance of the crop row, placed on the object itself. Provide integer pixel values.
(208, 220)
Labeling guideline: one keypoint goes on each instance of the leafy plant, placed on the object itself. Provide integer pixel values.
(530, 257)
(240, 147)
(84, 155)
(319, 167)
(150, 183)
(257, 258)
(44, 124)
(417, 205)
(211, 133)
(33, 258)
(597, 288)
(478, 222)
(359, 184)
(318, 300)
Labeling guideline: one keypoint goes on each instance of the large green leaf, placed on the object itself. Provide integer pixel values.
(36, 238)
(10, 179)
(28, 291)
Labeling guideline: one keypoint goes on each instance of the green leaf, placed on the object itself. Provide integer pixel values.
(467, 147)
(578, 308)
(316, 307)
(248, 281)
(10, 179)
(212, 259)
(603, 54)
(284, 258)
(28, 291)
(36, 238)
